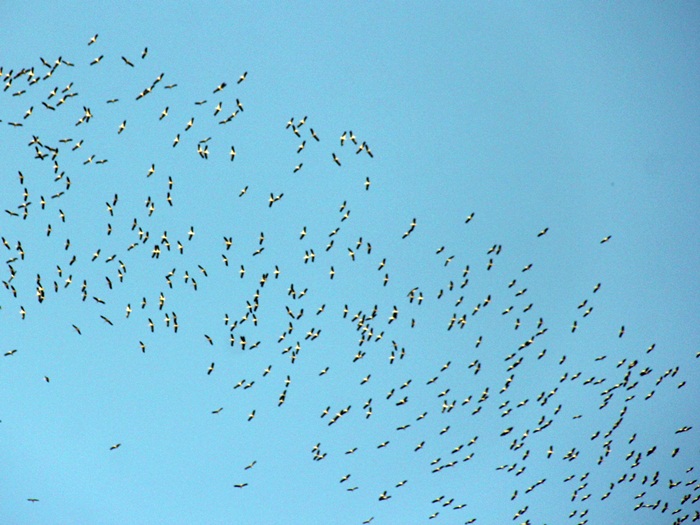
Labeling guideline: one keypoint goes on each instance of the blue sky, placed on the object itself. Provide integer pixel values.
(578, 118)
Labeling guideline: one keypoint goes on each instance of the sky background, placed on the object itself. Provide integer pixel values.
(579, 118)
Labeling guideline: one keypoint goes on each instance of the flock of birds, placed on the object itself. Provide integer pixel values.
(432, 408)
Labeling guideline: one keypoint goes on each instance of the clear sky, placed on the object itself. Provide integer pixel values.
(553, 126)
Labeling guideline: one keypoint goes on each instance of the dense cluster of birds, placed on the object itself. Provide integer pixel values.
(433, 409)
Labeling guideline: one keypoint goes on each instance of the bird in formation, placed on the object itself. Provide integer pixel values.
(533, 388)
